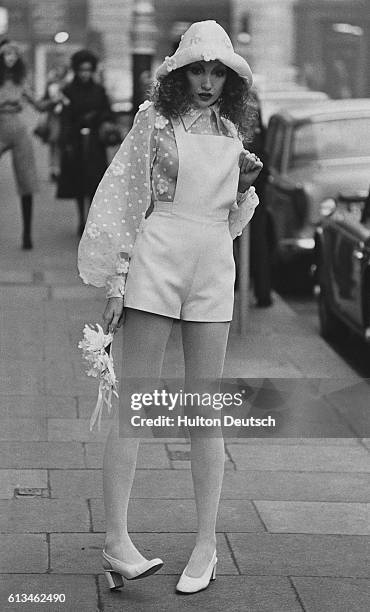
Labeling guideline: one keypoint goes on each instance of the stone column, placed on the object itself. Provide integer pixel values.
(112, 18)
(271, 47)
(144, 35)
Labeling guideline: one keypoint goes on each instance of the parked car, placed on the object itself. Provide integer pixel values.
(314, 152)
(342, 253)
(274, 101)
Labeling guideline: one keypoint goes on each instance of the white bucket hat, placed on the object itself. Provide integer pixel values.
(206, 41)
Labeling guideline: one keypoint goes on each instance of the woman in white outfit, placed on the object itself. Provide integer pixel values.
(184, 156)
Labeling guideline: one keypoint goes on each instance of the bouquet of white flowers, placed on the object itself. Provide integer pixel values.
(96, 350)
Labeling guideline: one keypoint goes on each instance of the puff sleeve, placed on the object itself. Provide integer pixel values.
(117, 210)
(243, 209)
(242, 212)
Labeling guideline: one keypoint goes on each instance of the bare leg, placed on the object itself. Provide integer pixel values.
(204, 351)
(145, 337)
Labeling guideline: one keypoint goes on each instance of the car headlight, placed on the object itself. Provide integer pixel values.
(305, 243)
(327, 207)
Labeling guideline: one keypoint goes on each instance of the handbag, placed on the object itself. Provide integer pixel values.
(110, 134)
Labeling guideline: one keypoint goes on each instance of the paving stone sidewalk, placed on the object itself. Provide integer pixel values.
(294, 521)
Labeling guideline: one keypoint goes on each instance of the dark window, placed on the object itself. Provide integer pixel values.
(332, 139)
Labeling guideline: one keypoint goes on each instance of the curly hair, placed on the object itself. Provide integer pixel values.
(171, 96)
(83, 56)
(17, 73)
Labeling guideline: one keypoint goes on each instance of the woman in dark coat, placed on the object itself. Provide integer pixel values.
(83, 155)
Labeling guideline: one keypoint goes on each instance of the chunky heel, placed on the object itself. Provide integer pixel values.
(115, 570)
(114, 580)
(213, 577)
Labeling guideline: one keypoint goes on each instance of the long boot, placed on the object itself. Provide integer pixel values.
(26, 206)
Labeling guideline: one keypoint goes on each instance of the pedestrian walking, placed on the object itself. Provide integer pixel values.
(184, 155)
(83, 157)
(14, 136)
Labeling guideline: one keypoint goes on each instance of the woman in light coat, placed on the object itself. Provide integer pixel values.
(14, 136)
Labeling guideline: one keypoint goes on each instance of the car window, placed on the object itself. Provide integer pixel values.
(332, 139)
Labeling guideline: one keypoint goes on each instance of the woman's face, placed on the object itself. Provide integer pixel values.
(206, 81)
(85, 72)
(10, 57)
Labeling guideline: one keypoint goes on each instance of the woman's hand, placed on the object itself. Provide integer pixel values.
(114, 314)
(250, 166)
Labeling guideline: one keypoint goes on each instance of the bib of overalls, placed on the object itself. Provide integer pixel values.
(208, 174)
(182, 264)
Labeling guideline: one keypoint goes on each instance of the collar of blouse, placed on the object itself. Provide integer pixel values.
(194, 114)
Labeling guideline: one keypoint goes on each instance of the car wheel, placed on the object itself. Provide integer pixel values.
(329, 323)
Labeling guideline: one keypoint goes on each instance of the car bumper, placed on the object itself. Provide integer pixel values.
(295, 246)
(299, 244)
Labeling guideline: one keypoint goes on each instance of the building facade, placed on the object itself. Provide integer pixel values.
(113, 20)
(270, 50)
(333, 45)
(36, 25)
(106, 27)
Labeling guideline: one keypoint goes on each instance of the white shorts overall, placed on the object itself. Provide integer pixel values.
(182, 264)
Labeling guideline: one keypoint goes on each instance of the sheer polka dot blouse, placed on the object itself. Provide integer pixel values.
(145, 168)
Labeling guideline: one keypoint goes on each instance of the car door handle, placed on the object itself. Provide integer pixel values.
(356, 254)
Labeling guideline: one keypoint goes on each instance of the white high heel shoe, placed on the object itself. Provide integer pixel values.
(187, 584)
(116, 570)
